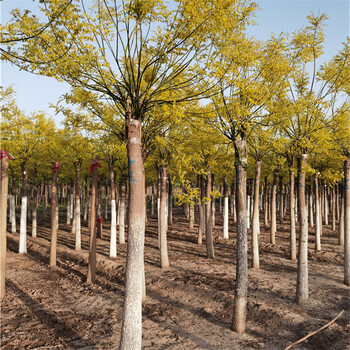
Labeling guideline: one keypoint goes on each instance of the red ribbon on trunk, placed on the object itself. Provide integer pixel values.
(94, 163)
(56, 166)
(4, 154)
(100, 220)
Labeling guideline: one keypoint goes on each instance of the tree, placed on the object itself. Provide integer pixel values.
(304, 115)
(147, 67)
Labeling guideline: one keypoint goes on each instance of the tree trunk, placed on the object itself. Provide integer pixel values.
(341, 220)
(225, 216)
(68, 205)
(333, 208)
(35, 203)
(152, 200)
(113, 241)
(158, 206)
(255, 223)
(77, 210)
(92, 246)
(164, 259)
(241, 285)
(191, 219)
(273, 209)
(266, 203)
(44, 198)
(213, 202)
(311, 213)
(337, 201)
(53, 245)
(201, 226)
(13, 204)
(209, 235)
(347, 222)
(86, 200)
(23, 226)
(318, 218)
(131, 333)
(170, 202)
(122, 209)
(281, 210)
(234, 207)
(293, 239)
(3, 216)
(302, 272)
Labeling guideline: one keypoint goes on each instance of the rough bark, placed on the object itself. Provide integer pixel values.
(131, 333)
(241, 284)
(255, 223)
(302, 292)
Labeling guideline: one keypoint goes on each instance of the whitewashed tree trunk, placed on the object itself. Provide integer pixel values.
(318, 217)
(273, 210)
(164, 258)
(122, 210)
(68, 207)
(256, 225)
(24, 207)
(226, 217)
(113, 241)
(13, 213)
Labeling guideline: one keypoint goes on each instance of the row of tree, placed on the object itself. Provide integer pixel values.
(137, 72)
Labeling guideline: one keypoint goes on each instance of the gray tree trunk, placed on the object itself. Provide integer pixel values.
(302, 292)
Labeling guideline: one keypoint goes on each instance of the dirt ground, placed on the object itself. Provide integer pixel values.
(189, 306)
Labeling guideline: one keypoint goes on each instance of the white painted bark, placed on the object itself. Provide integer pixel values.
(23, 227)
(122, 219)
(77, 225)
(226, 218)
(113, 242)
(13, 214)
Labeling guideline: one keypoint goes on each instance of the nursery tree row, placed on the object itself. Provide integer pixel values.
(180, 96)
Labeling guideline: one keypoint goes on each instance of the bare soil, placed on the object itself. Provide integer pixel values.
(189, 306)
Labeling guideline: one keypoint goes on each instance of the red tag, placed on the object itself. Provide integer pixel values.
(56, 166)
(4, 154)
(94, 163)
